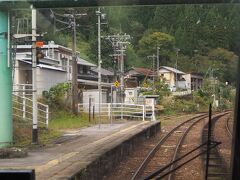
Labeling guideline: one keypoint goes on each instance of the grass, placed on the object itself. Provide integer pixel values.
(67, 120)
(22, 136)
(60, 120)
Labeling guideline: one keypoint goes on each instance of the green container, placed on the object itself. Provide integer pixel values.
(6, 129)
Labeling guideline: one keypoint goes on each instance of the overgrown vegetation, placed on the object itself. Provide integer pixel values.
(57, 95)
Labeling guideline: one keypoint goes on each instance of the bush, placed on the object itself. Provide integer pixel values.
(56, 95)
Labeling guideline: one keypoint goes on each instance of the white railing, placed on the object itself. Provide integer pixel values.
(23, 89)
(22, 108)
(120, 110)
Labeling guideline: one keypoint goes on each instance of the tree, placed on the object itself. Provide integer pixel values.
(224, 63)
(149, 43)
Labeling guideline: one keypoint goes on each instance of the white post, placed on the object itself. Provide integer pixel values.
(98, 13)
(24, 102)
(47, 115)
(111, 113)
(34, 79)
(153, 112)
(143, 107)
(109, 110)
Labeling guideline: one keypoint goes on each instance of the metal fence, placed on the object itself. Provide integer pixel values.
(23, 89)
(22, 109)
(120, 110)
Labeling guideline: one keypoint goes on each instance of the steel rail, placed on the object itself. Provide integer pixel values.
(158, 145)
(180, 142)
(216, 152)
(160, 170)
(228, 128)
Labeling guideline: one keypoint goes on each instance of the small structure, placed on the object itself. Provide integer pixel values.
(152, 101)
(132, 96)
(93, 96)
(194, 80)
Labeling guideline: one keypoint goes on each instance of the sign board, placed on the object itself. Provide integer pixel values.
(39, 44)
(116, 84)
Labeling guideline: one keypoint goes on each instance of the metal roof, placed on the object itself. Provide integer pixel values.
(103, 71)
(163, 69)
(44, 66)
(81, 61)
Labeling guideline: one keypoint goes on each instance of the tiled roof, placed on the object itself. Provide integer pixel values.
(140, 71)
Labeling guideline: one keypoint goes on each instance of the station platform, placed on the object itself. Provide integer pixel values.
(87, 153)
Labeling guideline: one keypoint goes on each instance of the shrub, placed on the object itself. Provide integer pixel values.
(56, 95)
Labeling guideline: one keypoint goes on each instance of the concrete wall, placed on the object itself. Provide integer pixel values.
(94, 95)
(169, 78)
(46, 78)
(187, 77)
(112, 157)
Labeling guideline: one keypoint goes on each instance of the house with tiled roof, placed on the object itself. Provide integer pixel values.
(136, 76)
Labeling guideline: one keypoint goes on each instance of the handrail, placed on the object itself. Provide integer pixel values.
(120, 109)
(24, 107)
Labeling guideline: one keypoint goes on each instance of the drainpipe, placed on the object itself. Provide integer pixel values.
(6, 130)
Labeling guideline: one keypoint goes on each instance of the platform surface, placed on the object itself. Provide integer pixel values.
(75, 149)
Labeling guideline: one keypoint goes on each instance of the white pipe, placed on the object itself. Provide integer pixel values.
(8, 45)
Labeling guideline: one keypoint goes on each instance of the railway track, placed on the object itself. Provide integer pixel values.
(217, 166)
(228, 127)
(166, 150)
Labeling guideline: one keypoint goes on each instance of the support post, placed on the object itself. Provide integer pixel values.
(89, 109)
(6, 129)
(111, 109)
(74, 68)
(47, 115)
(34, 79)
(209, 140)
(235, 159)
(153, 112)
(98, 13)
(158, 48)
(24, 102)
(143, 116)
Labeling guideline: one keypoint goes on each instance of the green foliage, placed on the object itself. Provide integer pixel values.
(56, 94)
(161, 89)
(224, 63)
(149, 43)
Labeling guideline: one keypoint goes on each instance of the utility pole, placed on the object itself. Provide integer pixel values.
(72, 24)
(158, 48)
(34, 79)
(119, 43)
(74, 68)
(99, 13)
(176, 67)
(153, 68)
